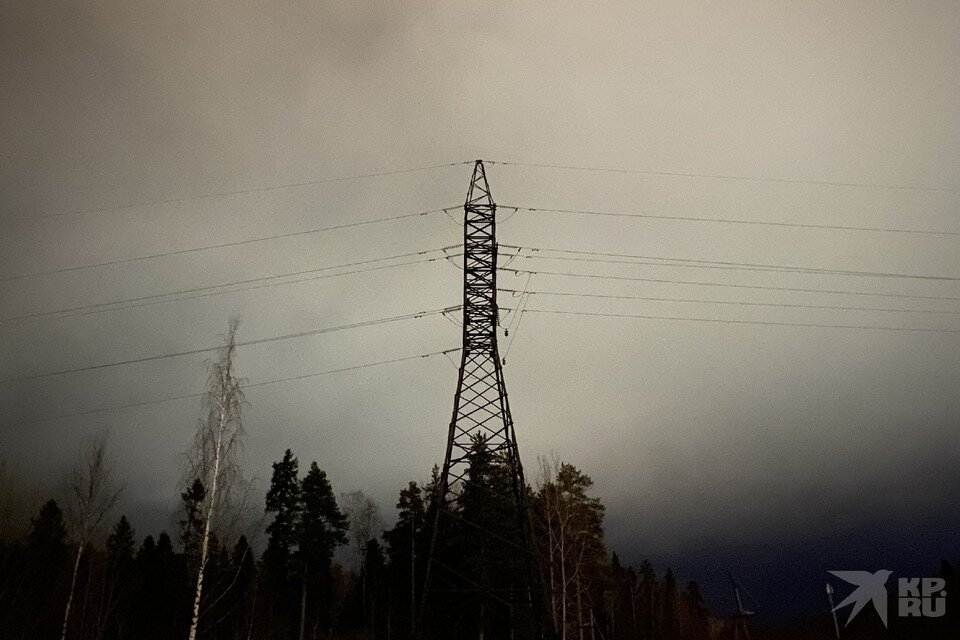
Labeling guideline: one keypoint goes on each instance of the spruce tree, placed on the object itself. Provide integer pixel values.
(48, 534)
(46, 568)
(117, 595)
(121, 542)
(283, 501)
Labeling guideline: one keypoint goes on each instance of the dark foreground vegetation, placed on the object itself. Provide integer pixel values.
(130, 586)
(73, 567)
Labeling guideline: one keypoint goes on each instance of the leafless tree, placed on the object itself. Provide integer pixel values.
(214, 456)
(363, 516)
(365, 524)
(92, 494)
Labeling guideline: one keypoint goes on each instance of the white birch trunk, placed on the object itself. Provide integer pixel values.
(73, 584)
(204, 547)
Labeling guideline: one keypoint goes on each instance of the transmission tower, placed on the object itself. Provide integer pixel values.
(482, 578)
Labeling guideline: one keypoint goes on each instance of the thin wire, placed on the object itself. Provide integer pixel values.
(221, 245)
(796, 225)
(452, 219)
(452, 320)
(520, 309)
(757, 322)
(512, 315)
(691, 263)
(723, 176)
(449, 359)
(731, 302)
(289, 336)
(735, 286)
(510, 259)
(451, 256)
(459, 267)
(352, 368)
(246, 386)
(222, 194)
(515, 210)
(184, 294)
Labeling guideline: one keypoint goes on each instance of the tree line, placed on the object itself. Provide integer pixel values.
(126, 587)
(78, 571)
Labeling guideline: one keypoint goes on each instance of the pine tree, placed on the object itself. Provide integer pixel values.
(570, 528)
(323, 527)
(407, 546)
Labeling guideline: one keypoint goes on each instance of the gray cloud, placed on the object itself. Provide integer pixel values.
(697, 434)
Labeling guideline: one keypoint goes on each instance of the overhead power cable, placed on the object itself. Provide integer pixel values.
(518, 315)
(765, 223)
(729, 176)
(221, 245)
(237, 192)
(147, 403)
(230, 287)
(246, 343)
(728, 302)
(744, 322)
(735, 286)
(692, 263)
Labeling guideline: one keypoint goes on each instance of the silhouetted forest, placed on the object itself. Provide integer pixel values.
(74, 567)
(127, 585)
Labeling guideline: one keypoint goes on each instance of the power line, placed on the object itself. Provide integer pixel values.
(691, 263)
(221, 245)
(246, 386)
(729, 302)
(289, 336)
(521, 307)
(214, 290)
(236, 192)
(794, 225)
(512, 315)
(735, 286)
(727, 176)
(756, 322)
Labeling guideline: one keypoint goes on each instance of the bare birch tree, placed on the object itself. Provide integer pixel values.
(92, 493)
(364, 520)
(213, 459)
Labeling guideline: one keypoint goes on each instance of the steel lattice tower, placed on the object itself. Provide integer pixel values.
(482, 577)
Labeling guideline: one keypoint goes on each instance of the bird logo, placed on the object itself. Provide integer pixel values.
(870, 586)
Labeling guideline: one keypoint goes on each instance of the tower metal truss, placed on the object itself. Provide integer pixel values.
(482, 574)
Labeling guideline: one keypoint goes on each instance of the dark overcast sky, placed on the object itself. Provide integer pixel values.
(773, 450)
